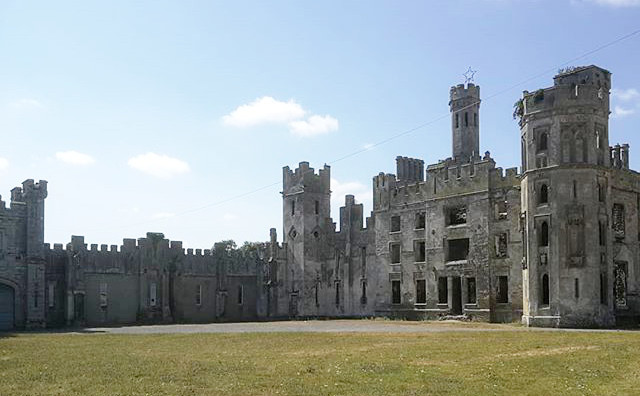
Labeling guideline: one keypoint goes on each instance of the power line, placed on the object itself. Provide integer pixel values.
(406, 132)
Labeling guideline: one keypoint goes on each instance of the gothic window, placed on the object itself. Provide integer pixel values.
(466, 119)
(544, 234)
(575, 189)
(337, 293)
(543, 198)
(600, 193)
(363, 297)
(293, 208)
(457, 120)
(471, 290)
(502, 295)
(618, 224)
(542, 142)
(602, 233)
(620, 284)
(395, 253)
(420, 221)
(443, 290)
(421, 291)
(603, 289)
(501, 245)
(545, 289)
(395, 292)
(317, 207)
(566, 148)
(419, 251)
(52, 294)
(395, 223)
(363, 261)
(576, 288)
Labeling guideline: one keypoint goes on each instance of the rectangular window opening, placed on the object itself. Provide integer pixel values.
(395, 223)
(395, 253)
(395, 292)
(457, 215)
(419, 251)
(457, 249)
(421, 291)
(199, 295)
(420, 221)
(503, 290)
(443, 290)
(471, 290)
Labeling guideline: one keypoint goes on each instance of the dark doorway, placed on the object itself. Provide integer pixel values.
(456, 296)
(7, 301)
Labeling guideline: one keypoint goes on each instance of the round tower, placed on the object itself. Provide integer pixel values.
(464, 105)
(564, 134)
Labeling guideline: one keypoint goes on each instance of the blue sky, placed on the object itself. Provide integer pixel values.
(166, 116)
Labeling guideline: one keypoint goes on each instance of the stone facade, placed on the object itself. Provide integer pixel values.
(553, 245)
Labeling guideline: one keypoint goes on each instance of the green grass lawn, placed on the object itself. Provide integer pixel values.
(512, 362)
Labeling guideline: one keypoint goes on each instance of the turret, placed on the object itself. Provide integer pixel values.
(32, 195)
(464, 105)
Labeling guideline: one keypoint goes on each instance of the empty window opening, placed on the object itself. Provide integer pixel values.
(443, 290)
(545, 289)
(544, 234)
(501, 245)
(317, 291)
(501, 210)
(337, 293)
(457, 120)
(363, 297)
(395, 292)
(421, 291)
(602, 233)
(457, 215)
(363, 261)
(503, 290)
(395, 223)
(240, 295)
(575, 189)
(471, 290)
(466, 119)
(458, 249)
(419, 251)
(600, 193)
(293, 208)
(395, 253)
(199, 295)
(542, 142)
(420, 221)
(317, 207)
(576, 288)
(603, 289)
(544, 194)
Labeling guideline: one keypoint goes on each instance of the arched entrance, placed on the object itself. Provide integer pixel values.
(7, 305)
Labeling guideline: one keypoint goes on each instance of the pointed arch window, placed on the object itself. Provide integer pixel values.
(544, 234)
(544, 195)
(545, 289)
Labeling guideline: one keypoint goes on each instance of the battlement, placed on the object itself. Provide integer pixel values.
(304, 178)
(582, 86)
(409, 169)
(461, 91)
(619, 155)
(504, 178)
(29, 190)
(129, 245)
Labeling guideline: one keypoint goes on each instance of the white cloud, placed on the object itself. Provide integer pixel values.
(4, 164)
(314, 125)
(619, 111)
(617, 3)
(74, 158)
(264, 110)
(625, 95)
(267, 110)
(229, 216)
(159, 165)
(26, 104)
(162, 215)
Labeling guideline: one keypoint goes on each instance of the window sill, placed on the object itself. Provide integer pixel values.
(457, 262)
(442, 306)
(395, 232)
(461, 225)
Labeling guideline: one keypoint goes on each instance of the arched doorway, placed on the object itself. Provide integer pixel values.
(7, 304)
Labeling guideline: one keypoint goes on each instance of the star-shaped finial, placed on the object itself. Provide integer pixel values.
(469, 75)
